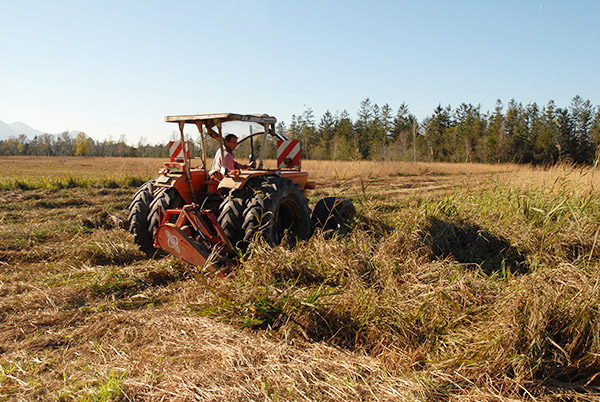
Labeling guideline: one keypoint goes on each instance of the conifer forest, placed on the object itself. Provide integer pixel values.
(511, 132)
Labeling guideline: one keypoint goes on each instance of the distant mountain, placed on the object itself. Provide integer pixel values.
(18, 128)
(5, 131)
(22, 128)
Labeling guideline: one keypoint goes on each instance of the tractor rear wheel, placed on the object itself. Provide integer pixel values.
(164, 198)
(278, 208)
(333, 215)
(231, 215)
(138, 217)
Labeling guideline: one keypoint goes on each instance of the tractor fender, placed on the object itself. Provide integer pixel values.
(178, 181)
(237, 181)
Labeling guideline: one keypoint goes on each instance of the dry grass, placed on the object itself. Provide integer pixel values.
(37, 167)
(584, 180)
(365, 169)
(455, 285)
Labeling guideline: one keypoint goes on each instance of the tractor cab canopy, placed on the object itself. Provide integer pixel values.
(212, 121)
(257, 118)
(213, 126)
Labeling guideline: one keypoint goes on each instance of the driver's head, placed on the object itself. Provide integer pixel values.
(231, 141)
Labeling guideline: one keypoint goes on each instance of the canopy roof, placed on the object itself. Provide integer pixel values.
(211, 119)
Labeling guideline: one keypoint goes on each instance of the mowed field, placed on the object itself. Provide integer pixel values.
(458, 282)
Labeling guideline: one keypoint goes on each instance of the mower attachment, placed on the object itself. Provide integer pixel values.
(195, 236)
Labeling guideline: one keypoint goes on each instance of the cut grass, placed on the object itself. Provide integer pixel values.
(447, 288)
(485, 292)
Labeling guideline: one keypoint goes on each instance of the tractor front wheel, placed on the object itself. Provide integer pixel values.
(333, 215)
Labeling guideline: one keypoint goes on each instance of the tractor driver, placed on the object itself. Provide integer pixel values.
(231, 142)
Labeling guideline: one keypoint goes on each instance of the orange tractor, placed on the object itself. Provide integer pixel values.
(201, 217)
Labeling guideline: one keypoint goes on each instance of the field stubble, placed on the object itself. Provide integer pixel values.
(461, 282)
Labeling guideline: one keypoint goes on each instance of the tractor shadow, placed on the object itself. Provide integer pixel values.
(470, 244)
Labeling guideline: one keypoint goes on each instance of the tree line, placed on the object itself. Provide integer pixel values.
(510, 133)
(66, 144)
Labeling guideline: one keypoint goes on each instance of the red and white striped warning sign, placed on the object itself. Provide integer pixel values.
(288, 154)
(176, 150)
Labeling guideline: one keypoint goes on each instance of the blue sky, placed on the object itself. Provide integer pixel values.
(118, 67)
